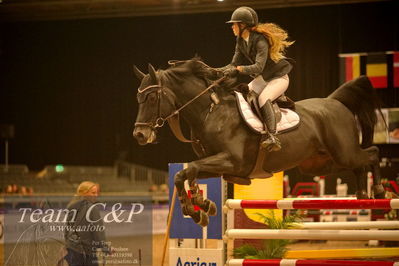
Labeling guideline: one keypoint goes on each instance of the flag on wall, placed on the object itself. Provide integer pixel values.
(395, 69)
(349, 67)
(377, 70)
(382, 68)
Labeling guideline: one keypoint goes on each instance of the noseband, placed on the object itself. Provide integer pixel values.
(159, 122)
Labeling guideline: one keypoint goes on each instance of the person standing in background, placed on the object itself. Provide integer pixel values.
(81, 245)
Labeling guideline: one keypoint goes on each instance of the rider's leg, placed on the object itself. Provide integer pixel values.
(257, 84)
(269, 91)
(273, 89)
(272, 143)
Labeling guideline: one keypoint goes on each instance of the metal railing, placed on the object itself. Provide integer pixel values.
(138, 174)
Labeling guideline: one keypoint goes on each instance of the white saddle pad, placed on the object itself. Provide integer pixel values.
(289, 118)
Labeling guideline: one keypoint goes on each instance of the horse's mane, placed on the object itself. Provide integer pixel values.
(195, 67)
(179, 70)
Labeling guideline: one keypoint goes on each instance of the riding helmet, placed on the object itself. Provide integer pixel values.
(244, 15)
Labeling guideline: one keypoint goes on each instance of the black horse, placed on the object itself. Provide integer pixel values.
(326, 140)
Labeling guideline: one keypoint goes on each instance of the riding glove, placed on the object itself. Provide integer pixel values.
(230, 72)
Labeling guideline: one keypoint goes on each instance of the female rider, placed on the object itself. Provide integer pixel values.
(259, 53)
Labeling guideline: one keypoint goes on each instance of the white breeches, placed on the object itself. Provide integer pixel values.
(269, 90)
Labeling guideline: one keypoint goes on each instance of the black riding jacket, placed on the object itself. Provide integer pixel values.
(255, 58)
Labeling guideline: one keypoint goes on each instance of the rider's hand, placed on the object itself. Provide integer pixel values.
(230, 72)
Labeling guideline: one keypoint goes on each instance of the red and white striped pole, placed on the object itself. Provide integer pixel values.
(314, 204)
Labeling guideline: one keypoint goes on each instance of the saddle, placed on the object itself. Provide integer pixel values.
(287, 120)
(284, 108)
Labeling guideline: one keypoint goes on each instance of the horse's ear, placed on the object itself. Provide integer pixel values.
(153, 74)
(140, 75)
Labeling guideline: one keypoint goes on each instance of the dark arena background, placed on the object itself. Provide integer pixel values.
(68, 91)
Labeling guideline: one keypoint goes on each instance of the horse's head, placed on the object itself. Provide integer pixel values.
(156, 102)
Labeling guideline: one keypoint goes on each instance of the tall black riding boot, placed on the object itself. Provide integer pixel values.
(272, 143)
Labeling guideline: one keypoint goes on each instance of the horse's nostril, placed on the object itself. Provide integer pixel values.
(138, 135)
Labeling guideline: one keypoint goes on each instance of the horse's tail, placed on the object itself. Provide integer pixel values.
(359, 96)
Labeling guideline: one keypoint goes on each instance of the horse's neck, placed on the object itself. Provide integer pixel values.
(195, 112)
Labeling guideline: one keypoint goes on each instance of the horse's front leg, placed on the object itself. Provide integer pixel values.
(198, 199)
(209, 166)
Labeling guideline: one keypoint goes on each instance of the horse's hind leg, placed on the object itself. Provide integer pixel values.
(360, 162)
(361, 183)
(378, 188)
(347, 154)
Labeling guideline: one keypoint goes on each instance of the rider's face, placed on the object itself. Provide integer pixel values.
(236, 28)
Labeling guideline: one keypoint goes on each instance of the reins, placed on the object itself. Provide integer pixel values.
(216, 82)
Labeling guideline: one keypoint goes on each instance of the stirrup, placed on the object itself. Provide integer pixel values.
(271, 143)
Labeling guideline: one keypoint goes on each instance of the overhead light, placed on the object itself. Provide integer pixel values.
(59, 168)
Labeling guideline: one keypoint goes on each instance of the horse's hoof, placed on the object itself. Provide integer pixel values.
(186, 210)
(362, 194)
(212, 209)
(204, 219)
(379, 196)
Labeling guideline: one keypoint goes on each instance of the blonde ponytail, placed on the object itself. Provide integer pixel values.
(277, 38)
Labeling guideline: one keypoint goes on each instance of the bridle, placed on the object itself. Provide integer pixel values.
(160, 121)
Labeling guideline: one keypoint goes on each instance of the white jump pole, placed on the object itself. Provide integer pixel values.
(386, 235)
(348, 225)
